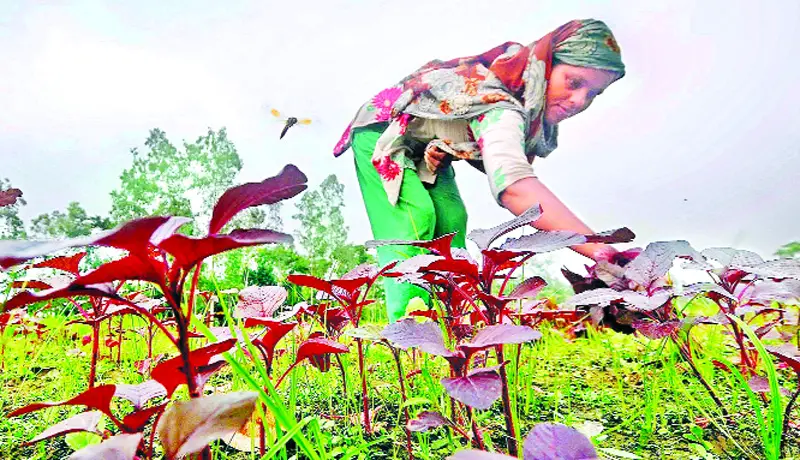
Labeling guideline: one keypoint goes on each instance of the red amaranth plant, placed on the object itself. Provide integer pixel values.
(158, 255)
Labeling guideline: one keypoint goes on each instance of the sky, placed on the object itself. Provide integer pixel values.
(699, 141)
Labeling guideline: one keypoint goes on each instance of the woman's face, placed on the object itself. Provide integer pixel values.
(572, 89)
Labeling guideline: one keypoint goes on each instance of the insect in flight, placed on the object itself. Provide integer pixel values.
(289, 121)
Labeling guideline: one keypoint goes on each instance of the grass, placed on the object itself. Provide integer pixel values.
(646, 400)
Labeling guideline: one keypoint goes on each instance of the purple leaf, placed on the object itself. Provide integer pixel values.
(9, 196)
(259, 301)
(426, 336)
(427, 420)
(759, 384)
(619, 235)
(656, 260)
(641, 302)
(485, 237)
(528, 289)
(188, 426)
(189, 251)
(479, 455)
(480, 389)
(543, 241)
(140, 394)
(600, 297)
(554, 441)
(654, 330)
(501, 334)
(788, 354)
(767, 291)
(288, 183)
(698, 288)
(733, 258)
(119, 447)
(86, 421)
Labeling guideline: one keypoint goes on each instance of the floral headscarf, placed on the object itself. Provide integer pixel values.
(510, 76)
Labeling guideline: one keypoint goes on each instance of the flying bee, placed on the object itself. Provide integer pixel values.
(289, 121)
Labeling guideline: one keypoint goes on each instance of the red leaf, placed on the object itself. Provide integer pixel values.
(30, 284)
(94, 398)
(528, 289)
(440, 246)
(86, 339)
(85, 421)
(480, 389)
(259, 301)
(655, 331)
(135, 422)
(427, 336)
(288, 183)
(134, 236)
(64, 263)
(311, 281)
(317, 347)
(619, 235)
(28, 297)
(788, 354)
(426, 420)
(500, 334)
(170, 372)
(126, 269)
(9, 197)
(275, 332)
(454, 266)
(557, 441)
(190, 251)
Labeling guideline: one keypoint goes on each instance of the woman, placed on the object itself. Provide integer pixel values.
(498, 111)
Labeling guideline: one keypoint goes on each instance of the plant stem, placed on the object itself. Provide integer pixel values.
(477, 439)
(787, 413)
(344, 374)
(95, 351)
(403, 399)
(364, 394)
(511, 442)
(688, 357)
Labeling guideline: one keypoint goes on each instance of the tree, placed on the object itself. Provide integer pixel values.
(74, 222)
(789, 250)
(166, 180)
(322, 231)
(11, 225)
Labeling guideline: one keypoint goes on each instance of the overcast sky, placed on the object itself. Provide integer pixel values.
(699, 141)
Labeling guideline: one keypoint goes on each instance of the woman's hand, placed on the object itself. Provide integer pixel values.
(436, 159)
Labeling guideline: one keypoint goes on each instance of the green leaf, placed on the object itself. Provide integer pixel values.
(77, 441)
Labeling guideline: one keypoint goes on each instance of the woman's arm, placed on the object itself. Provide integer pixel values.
(524, 193)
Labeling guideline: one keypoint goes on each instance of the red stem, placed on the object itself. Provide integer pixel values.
(511, 442)
(364, 395)
(95, 351)
(477, 439)
(403, 398)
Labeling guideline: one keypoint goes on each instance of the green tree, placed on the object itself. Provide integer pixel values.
(11, 225)
(74, 222)
(166, 180)
(789, 250)
(322, 231)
